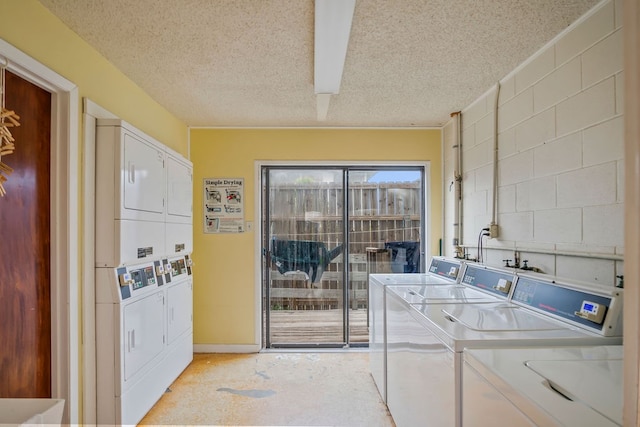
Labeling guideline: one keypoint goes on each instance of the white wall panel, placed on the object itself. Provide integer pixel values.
(516, 110)
(474, 112)
(536, 194)
(516, 168)
(602, 60)
(586, 34)
(477, 156)
(507, 143)
(516, 226)
(590, 106)
(602, 225)
(540, 66)
(618, 15)
(561, 155)
(620, 181)
(507, 199)
(484, 178)
(620, 93)
(560, 84)
(537, 130)
(507, 89)
(469, 136)
(604, 142)
(484, 128)
(591, 186)
(560, 183)
(592, 271)
(480, 202)
(558, 225)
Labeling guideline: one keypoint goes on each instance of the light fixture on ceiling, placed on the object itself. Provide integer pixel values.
(332, 28)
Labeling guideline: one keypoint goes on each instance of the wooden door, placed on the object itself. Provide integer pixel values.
(25, 304)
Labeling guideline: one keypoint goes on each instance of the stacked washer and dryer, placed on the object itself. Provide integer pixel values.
(144, 285)
(427, 382)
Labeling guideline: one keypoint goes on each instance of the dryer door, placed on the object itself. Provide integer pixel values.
(143, 337)
(143, 177)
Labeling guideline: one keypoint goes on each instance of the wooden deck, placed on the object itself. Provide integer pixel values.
(309, 327)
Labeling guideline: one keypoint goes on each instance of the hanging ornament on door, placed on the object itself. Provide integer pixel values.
(8, 119)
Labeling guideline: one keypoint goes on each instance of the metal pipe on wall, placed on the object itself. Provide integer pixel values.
(457, 186)
(494, 202)
(593, 255)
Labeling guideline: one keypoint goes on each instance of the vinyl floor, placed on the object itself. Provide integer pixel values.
(332, 388)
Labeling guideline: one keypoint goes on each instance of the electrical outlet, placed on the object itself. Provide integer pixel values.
(493, 231)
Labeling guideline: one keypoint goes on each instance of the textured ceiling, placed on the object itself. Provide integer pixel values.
(250, 62)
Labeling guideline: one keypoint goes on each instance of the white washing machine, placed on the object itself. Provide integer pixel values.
(424, 374)
(561, 386)
(429, 289)
(442, 271)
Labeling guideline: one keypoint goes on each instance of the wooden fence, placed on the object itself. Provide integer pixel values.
(378, 214)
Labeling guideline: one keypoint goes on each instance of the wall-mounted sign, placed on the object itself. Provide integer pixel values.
(223, 205)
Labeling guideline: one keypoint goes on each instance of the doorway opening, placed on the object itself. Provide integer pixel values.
(324, 229)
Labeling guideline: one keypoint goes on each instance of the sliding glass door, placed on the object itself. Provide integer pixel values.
(320, 229)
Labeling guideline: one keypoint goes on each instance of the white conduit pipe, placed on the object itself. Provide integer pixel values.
(457, 184)
(494, 204)
(593, 255)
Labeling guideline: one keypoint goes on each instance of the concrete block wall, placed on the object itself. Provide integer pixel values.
(559, 156)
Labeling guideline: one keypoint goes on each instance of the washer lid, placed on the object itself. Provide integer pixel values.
(430, 294)
(499, 318)
(410, 279)
(596, 384)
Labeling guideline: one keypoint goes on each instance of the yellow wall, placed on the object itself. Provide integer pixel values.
(224, 285)
(31, 28)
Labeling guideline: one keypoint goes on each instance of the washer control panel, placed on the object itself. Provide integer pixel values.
(496, 282)
(592, 311)
(445, 268)
(597, 309)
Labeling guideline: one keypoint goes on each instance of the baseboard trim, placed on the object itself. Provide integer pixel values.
(226, 348)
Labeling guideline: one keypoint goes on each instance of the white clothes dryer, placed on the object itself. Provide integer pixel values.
(560, 386)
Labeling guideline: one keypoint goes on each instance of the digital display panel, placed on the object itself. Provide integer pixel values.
(138, 280)
(179, 267)
(143, 277)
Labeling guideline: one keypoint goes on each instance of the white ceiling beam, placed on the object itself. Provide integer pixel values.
(332, 29)
(322, 105)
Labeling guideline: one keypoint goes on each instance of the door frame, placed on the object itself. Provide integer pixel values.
(65, 226)
(257, 215)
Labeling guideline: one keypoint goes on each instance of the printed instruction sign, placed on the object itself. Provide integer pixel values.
(223, 205)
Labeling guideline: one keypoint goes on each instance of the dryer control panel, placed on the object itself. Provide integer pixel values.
(132, 280)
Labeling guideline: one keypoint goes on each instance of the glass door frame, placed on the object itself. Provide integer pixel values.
(262, 235)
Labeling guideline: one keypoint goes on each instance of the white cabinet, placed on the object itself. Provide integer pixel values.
(130, 173)
(142, 168)
(179, 310)
(178, 227)
(143, 334)
(178, 239)
(179, 189)
(144, 197)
